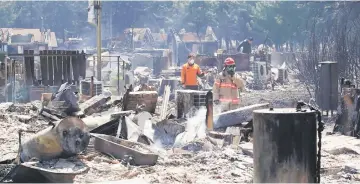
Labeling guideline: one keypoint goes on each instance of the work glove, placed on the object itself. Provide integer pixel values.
(216, 102)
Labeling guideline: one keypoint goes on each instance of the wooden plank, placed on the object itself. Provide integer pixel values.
(50, 67)
(43, 67)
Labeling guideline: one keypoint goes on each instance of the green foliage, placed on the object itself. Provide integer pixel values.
(282, 21)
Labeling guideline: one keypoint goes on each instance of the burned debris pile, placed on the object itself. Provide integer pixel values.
(64, 133)
(158, 132)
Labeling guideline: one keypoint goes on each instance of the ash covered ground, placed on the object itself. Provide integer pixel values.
(209, 164)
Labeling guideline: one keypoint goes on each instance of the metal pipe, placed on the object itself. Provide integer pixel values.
(98, 37)
(14, 81)
(92, 86)
(123, 69)
(118, 75)
(66, 138)
(94, 74)
(6, 73)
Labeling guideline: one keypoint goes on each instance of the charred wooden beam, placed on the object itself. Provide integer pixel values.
(209, 111)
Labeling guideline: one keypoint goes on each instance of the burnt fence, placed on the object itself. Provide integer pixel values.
(56, 66)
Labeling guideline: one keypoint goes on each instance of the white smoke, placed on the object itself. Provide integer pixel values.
(195, 129)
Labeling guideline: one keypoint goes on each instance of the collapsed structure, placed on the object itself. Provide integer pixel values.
(146, 119)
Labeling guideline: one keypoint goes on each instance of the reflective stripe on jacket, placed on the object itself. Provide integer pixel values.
(189, 74)
(226, 88)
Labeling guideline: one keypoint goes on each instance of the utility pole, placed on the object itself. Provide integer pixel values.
(98, 38)
(111, 13)
(42, 24)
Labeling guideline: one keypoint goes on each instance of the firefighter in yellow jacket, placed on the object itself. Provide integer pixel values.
(226, 87)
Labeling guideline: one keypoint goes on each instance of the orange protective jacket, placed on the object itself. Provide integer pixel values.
(189, 74)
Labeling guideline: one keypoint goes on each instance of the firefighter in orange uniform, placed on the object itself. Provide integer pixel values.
(226, 87)
(189, 73)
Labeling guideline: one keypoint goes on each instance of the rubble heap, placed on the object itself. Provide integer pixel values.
(130, 141)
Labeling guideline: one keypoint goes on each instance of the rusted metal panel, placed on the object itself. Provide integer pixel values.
(242, 61)
(135, 153)
(285, 146)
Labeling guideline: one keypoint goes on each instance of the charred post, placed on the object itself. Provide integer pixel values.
(92, 86)
(285, 146)
(209, 111)
(349, 110)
